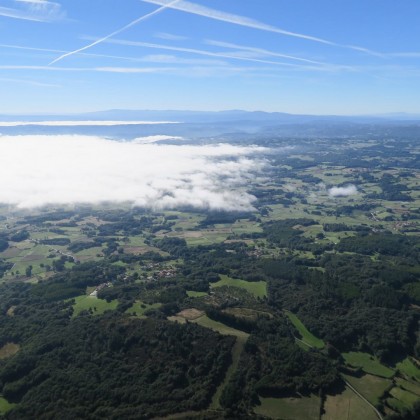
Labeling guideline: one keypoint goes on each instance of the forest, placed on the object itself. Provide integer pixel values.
(122, 312)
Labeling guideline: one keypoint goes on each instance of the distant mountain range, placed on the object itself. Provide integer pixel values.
(222, 125)
(212, 116)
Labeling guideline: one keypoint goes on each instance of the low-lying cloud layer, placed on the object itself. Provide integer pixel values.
(37, 170)
(342, 191)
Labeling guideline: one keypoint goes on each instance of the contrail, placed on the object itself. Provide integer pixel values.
(196, 9)
(134, 22)
(321, 66)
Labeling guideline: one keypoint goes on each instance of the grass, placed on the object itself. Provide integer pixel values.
(8, 350)
(370, 386)
(307, 336)
(368, 363)
(236, 355)
(139, 308)
(256, 288)
(5, 406)
(407, 367)
(193, 294)
(98, 306)
(307, 408)
(347, 405)
(407, 398)
(223, 329)
(247, 313)
(395, 404)
(241, 338)
(409, 386)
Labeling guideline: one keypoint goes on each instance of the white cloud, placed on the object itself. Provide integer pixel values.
(34, 10)
(155, 139)
(342, 191)
(170, 37)
(37, 169)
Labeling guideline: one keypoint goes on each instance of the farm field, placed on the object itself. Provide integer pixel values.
(307, 337)
(347, 405)
(368, 363)
(370, 386)
(290, 408)
(139, 308)
(257, 288)
(5, 406)
(92, 303)
(408, 368)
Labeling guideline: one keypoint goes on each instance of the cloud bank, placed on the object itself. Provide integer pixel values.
(342, 191)
(37, 170)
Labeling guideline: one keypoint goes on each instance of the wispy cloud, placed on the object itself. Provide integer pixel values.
(134, 22)
(68, 169)
(260, 52)
(228, 55)
(32, 10)
(170, 37)
(28, 82)
(407, 54)
(196, 9)
(158, 58)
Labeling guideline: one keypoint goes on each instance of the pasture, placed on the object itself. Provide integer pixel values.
(290, 408)
(256, 288)
(307, 337)
(347, 405)
(370, 386)
(369, 364)
(139, 308)
(92, 304)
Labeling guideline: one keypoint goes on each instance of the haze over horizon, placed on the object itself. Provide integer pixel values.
(295, 56)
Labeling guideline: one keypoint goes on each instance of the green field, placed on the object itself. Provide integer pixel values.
(307, 408)
(256, 288)
(241, 338)
(223, 329)
(98, 306)
(395, 404)
(193, 294)
(347, 405)
(409, 386)
(5, 406)
(406, 398)
(368, 363)
(139, 308)
(371, 387)
(408, 368)
(307, 337)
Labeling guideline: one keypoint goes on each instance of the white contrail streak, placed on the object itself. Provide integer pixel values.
(196, 9)
(134, 22)
(202, 52)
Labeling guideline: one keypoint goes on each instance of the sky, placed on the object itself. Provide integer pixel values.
(338, 57)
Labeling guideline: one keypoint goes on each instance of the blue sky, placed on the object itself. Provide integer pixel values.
(298, 56)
